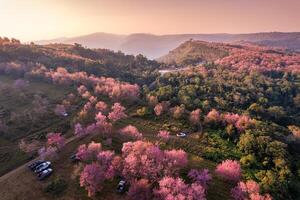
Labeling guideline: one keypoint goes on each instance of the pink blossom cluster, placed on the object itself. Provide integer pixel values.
(101, 166)
(195, 116)
(202, 177)
(56, 140)
(241, 122)
(261, 59)
(164, 135)
(145, 160)
(248, 190)
(102, 85)
(229, 170)
(175, 188)
(117, 112)
(131, 131)
(162, 107)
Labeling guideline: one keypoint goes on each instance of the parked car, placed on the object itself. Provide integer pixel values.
(121, 186)
(33, 165)
(65, 114)
(74, 158)
(42, 167)
(44, 174)
(181, 134)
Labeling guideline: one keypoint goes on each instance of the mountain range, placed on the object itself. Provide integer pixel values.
(155, 46)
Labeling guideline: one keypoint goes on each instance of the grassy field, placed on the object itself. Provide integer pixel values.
(17, 102)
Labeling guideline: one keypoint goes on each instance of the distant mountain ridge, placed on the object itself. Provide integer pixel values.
(155, 46)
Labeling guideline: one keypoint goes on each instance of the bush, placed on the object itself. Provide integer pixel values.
(56, 187)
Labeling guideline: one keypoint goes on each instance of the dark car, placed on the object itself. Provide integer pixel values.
(42, 167)
(33, 165)
(44, 174)
(121, 186)
(74, 158)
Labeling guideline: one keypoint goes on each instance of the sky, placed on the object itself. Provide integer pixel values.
(47, 19)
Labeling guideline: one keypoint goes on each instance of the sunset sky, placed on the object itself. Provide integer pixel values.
(47, 19)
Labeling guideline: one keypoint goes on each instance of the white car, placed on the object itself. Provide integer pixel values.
(181, 134)
(65, 114)
(42, 167)
(45, 173)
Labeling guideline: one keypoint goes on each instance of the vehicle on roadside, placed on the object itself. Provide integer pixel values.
(44, 174)
(33, 165)
(42, 167)
(74, 158)
(181, 134)
(121, 186)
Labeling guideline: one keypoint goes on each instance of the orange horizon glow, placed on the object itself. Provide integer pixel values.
(48, 19)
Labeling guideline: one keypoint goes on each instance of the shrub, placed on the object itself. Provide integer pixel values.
(56, 187)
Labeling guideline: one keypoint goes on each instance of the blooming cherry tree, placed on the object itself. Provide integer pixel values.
(229, 169)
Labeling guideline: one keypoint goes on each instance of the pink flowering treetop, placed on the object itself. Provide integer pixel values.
(244, 122)
(295, 131)
(102, 124)
(158, 109)
(117, 112)
(131, 131)
(91, 178)
(81, 90)
(195, 116)
(79, 130)
(175, 189)
(164, 135)
(145, 160)
(229, 169)
(48, 152)
(152, 100)
(92, 99)
(202, 177)
(55, 140)
(213, 116)
(248, 190)
(101, 106)
(140, 190)
(87, 153)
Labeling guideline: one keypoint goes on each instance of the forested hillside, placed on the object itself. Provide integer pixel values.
(225, 127)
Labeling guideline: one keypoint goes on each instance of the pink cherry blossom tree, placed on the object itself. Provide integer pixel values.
(88, 153)
(164, 135)
(79, 130)
(145, 160)
(140, 190)
(131, 131)
(91, 178)
(55, 140)
(229, 170)
(195, 116)
(158, 109)
(101, 106)
(175, 188)
(102, 124)
(248, 190)
(117, 112)
(202, 177)
(213, 116)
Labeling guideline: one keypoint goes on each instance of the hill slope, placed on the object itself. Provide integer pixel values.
(193, 52)
(154, 46)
